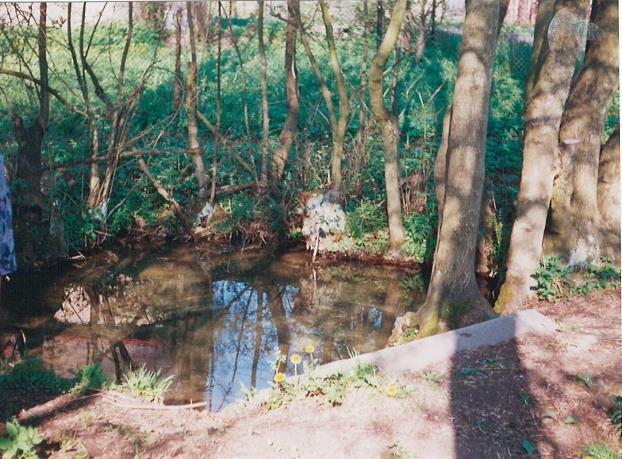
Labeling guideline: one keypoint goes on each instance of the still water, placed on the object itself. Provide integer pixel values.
(217, 323)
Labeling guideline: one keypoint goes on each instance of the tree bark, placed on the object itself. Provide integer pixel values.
(552, 78)
(191, 111)
(265, 108)
(453, 295)
(178, 77)
(339, 130)
(575, 219)
(288, 132)
(609, 197)
(390, 129)
(379, 22)
(29, 203)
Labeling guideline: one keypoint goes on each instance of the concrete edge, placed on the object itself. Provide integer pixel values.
(419, 354)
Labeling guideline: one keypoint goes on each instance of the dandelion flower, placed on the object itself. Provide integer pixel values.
(296, 359)
(279, 377)
(309, 348)
(391, 390)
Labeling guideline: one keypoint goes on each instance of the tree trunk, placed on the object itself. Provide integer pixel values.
(609, 197)
(390, 129)
(574, 210)
(191, 111)
(94, 180)
(265, 108)
(453, 296)
(360, 157)
(552, 77)
(31, 231)
(288, 132)
(178, 77)
(379, 22)
(339, 131)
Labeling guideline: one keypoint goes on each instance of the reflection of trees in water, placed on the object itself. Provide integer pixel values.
(231, 328)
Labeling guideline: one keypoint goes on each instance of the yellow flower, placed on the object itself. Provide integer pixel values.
(295, 359)
(391, 390)
(279, 377)
(309, 348)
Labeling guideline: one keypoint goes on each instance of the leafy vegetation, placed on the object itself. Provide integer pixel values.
(335, 387)
(29, 377)
(556, 281)
(144, 384)
(21, 442)
(599, 451)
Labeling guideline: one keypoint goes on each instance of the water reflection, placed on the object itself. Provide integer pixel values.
(217, 323)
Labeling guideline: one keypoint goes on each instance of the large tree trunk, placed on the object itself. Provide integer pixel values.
(551, 74)
(608, 196)
(453, 295)
(31, 230)
(574, 210)
(390, 128)
(293, 96)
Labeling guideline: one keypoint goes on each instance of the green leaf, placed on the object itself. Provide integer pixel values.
(570, 420)
(11, 429)
(528, 447)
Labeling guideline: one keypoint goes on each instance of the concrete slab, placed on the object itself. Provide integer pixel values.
(416, 356)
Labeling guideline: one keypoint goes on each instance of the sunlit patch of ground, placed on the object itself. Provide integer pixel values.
(536, 394)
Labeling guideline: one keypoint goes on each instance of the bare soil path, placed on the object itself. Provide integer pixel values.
(529, 394)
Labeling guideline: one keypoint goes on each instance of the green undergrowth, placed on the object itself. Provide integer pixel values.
(333, 389)
(556, 281)
(600, 451)
(144, 384)
(20, 442)
(20, 381)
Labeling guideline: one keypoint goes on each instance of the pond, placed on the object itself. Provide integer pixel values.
(216, 322)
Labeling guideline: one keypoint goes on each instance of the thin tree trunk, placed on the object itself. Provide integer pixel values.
(453, 295)
(344, 105)
(94, 180)
(119, 120)
(543, 111)
(212, 198)
(360, 161)
(609, 197)
(178, 77)
(288, 132)
(265, 108)
(191, 110)
(575, 220)
(390, 129)
(379, 22)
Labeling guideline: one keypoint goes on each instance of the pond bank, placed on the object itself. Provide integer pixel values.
(543, 395)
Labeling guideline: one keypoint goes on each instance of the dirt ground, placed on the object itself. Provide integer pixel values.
(528, 394)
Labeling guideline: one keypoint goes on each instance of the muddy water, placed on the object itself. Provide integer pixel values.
(217, 323)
